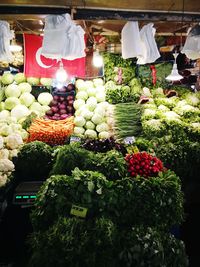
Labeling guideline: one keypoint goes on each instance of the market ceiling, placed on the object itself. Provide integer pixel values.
(161, 5)
(169, 16)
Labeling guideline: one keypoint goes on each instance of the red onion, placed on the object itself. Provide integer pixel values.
(70, 109)
(65, 102)
(55, 117)
(71, 102)
(53, 103)
(49, 112)
(62, 106)
(63, 111)
(62, 98)
(47, 117)
(56, 97)
(64, 116)
(70, 97)
(54, 109)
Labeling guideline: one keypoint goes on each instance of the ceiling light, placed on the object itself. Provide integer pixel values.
(97, 59)
(41, 22)
(100, 21)
(174, 75)
(61, 74)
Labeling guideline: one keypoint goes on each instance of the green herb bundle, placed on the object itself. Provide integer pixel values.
(71, 156)
(146, 246)
(76, 243)
(116, 93)
(112, 61)
(127, 118)
(100, 243)
(111, 163)
(33, 162)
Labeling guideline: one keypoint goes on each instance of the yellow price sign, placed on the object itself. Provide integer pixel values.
(78, 211)
(132, 149)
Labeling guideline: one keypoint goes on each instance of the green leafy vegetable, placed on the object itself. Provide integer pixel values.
(71, 156)
(76, 243)
(33, 162)
(127, 120)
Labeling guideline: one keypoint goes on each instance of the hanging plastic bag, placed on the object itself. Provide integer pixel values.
(6, 35)
(131, 42)
(56, 35)
(62, 38)
(191, 47)
(76, 47)
(149, 47)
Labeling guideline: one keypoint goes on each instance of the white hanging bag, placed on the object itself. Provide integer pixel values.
(6, 35)
(55, 35)
(131, 41)
(150, 51)
(191, 47)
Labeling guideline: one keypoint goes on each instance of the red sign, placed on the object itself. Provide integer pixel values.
(36, 65)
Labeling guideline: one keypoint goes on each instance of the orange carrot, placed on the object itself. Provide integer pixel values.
(51, 131)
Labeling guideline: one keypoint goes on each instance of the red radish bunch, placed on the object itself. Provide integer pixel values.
(61, 107)
(143, 164)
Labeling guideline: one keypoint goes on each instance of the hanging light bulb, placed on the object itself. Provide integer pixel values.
(61, 74)
(174, 75)
(97, 59)
(14, 47)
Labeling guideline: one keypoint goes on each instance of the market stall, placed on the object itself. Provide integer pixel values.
(102, 164)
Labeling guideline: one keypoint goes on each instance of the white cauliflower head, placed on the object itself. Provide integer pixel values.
(4, 153)
(6, 165)
(3, 179)
(14, 141)
(13, 153)
(1, 142)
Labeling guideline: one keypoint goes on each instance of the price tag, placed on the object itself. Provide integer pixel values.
(132, 149)
(74, 139)
(129, 140)
(78, 211)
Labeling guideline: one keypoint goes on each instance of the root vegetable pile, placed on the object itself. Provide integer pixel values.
(50, 131)
(143, 164)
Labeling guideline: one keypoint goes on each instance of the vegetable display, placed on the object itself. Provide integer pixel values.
(111, 163)
(18, 103)
(90, 110)
(143, 164)
(94, 247)
(149, 79)
(123, 93)
(103, 145)
(114, 202)
(101, 243)
(113, 64)
(9, 147)
(132, 222)
(171, 126)
(50, 131)
(33, 162)
(161, 114)
(127, 120)
(61, 107)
